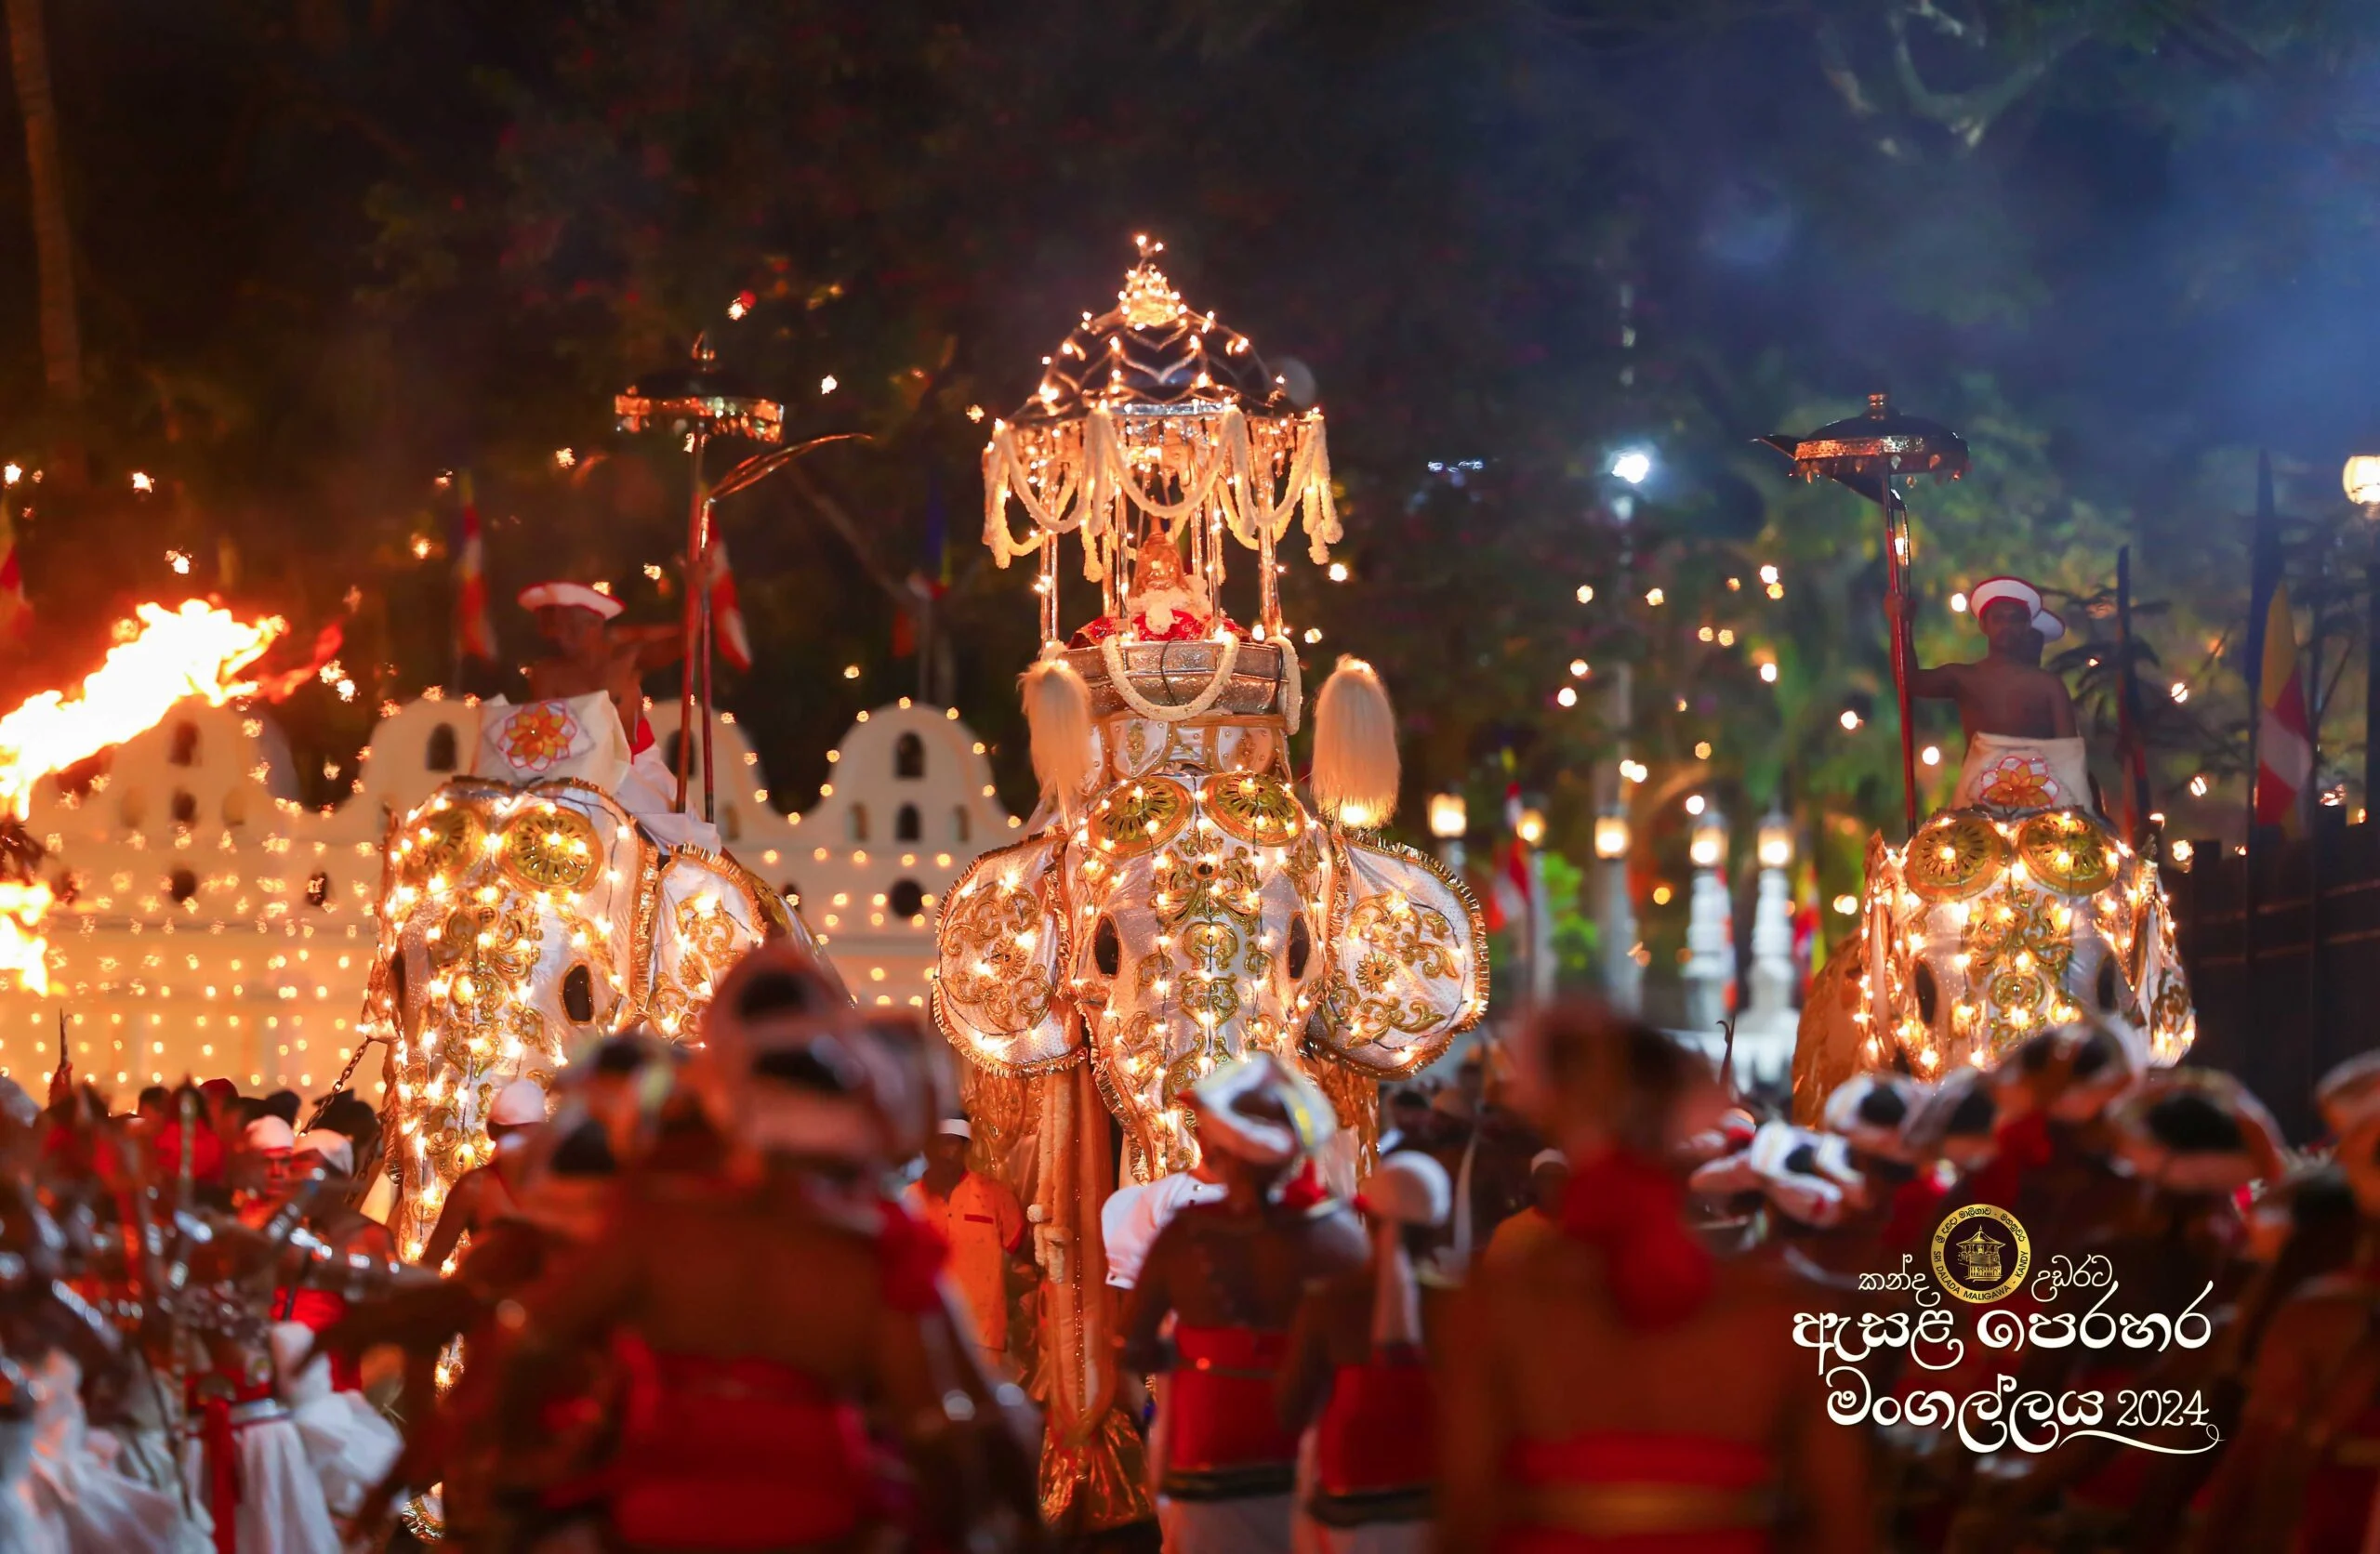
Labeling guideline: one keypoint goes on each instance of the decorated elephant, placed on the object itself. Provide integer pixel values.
(1183, 906)
(1993, 924)
(520, 924)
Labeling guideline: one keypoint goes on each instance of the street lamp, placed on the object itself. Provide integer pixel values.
(1708, 843)
(1538, 924)
(1615, 914)
(2361, 477)
(1769, 1012)
(1450, 822)
(1632, 465)
(1710, 937)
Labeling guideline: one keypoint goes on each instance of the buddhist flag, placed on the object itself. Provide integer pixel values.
(16, 611)
(474, 638)
(726, 614)
(2281, 735)
(2284, 750)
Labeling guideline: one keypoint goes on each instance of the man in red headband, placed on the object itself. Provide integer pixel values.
(2023, 750)
(1232, 1274)
(1615, 1386)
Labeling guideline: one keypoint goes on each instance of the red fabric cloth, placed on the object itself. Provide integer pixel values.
(1689, 1461)
(2020, 1147)
(316, 1310)
(2338, 1497)
(2122, 1479)
(1182, 630)
(912, 1254)
(1219, 1403)
(1305, 1190)
(216, 1438)
(642, 739)
(1915, 1209)
(735, 1454)
(1633, 1210)
(205, 1152)
(1379, 1429)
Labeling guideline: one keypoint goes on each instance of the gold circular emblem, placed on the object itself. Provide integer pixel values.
(553, 849)
(2068, 851)
(1252, 808)
(1953, 857)
(444, 842)
(1141, 818)
(1981, 1253)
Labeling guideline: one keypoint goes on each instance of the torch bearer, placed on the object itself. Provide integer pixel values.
(1870, 453)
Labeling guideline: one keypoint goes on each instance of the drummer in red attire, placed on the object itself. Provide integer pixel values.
(769, 1318)
(1616, 1387)
(1358, 1372)
(1231, 1274)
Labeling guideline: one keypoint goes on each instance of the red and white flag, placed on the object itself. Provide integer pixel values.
(1509, 890)
(726, 616)
(473, 637)
(16, 611)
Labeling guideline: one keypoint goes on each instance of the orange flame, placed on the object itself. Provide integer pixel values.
(24, 954)
(195, 650)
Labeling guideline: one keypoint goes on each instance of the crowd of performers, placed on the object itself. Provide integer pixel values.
(691, 1305)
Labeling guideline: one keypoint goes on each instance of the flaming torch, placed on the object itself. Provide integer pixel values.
(160, 658)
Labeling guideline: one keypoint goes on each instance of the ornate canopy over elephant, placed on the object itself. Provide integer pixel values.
(521, 923)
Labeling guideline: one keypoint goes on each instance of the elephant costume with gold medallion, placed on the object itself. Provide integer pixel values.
(1179, 902)
(1994, 923)
(526, 913)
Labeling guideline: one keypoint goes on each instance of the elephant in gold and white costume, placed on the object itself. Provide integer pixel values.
(1185, 907)
(1989, 926)
(1180, 903)
(525, 915)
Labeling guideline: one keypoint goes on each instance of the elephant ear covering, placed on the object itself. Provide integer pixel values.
(1355, 746)
(1057, 710)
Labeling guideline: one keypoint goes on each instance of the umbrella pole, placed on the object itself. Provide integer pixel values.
(707, 634)
(696, 585)
(1896, 601)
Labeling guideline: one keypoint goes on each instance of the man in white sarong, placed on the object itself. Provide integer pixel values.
(2024, 752)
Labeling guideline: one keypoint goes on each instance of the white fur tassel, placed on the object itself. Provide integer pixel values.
(1057, 711)
(1355, 746)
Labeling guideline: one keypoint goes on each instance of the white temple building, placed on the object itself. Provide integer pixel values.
(211, 924)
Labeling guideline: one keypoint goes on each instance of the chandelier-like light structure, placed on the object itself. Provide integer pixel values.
(1154, 417)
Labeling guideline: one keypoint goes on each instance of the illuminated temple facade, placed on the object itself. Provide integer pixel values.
(211, 924)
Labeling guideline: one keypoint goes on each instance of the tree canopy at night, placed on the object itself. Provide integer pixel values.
(323, 252)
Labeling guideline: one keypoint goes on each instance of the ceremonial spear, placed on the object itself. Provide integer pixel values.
(1870, 453)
